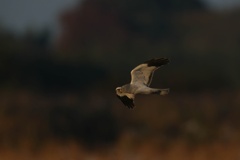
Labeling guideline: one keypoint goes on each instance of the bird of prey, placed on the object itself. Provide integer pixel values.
(141, 77)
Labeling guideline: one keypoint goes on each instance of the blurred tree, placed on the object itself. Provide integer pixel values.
(113, 29)
(38, 38)
(100, 31)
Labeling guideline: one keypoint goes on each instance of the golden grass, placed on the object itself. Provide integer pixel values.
(125, 149)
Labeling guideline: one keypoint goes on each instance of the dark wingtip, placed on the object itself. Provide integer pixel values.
(128, 102)
(157, 62)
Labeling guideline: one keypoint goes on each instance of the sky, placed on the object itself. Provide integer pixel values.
(19, 15)
(219, 5)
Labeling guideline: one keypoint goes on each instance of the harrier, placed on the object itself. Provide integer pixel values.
(141, 77)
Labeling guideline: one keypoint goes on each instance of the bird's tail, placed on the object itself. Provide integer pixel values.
(161, 92)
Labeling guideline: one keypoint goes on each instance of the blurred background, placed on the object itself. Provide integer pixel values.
(60, 62)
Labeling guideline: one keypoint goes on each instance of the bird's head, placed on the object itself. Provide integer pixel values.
(119, 90)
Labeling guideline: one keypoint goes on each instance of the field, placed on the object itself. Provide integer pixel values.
(200, 126)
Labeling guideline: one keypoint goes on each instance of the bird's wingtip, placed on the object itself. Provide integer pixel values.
(157, 62)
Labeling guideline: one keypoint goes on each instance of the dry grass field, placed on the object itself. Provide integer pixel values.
(144, 151)
(197, 126)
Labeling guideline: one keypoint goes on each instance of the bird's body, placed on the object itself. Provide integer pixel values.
(141, 77)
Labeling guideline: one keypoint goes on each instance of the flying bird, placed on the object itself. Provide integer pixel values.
(141, 78)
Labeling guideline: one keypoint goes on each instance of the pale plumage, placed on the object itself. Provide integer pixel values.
(141, 77)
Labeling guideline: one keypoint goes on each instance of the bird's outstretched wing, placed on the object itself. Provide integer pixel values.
(143, 73)
(127, 99)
